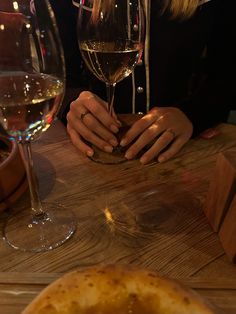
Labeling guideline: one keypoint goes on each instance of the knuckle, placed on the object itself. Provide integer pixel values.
(154, 111)
(68, 129)
(68, 116)
(73, 105)
(85, 94)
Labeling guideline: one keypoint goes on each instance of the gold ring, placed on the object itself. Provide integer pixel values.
(172, 132)
(83, 115)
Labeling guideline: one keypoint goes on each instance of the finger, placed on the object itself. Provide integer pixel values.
(172, 150)
(164, 140)
(114, 115)
(93, 124)
(137, 128)
(87, 134)
(98, 108)
(148, 136)
(78, 143)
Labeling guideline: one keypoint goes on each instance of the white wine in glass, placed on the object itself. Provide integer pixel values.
(111, 39)
(32, 86)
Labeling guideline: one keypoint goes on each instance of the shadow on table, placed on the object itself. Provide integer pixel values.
(45, 173)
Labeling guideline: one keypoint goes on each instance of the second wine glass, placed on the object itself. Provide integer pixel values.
(31, 91)
(111, 39)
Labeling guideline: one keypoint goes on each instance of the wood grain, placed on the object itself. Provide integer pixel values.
(158, 219)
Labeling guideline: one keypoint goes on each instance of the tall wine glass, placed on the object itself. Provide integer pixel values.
(111, 37)
(31, 91)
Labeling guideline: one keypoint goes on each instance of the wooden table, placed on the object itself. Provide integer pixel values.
(158, 213)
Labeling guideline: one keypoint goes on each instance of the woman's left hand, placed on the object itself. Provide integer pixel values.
(161, 127)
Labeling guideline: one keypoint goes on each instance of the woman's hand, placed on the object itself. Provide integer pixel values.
(161, 127)
(89, 120)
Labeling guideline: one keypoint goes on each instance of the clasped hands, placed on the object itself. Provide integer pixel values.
(163, 130)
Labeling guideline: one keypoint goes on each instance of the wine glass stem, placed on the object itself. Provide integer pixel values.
(110, 96)
(26, 154)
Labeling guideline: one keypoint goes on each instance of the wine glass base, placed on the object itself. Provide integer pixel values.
(118, 154)
(116, 157)
(46, 232)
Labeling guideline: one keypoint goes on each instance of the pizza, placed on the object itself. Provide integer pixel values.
(117, 289)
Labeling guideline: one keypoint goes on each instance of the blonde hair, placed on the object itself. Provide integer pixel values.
(181, 8)
(105, 6)
(177, 8)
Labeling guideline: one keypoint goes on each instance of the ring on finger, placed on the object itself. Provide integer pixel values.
(83, 115)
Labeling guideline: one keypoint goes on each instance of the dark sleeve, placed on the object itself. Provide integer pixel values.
(215, 97)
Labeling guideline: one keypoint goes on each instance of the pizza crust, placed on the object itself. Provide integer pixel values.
(116, 290)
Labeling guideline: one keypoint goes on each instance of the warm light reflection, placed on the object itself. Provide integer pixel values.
(15, 5)
(2, 27)
(108, 215)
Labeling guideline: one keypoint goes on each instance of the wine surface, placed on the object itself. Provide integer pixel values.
(110, 62)
(28, 103)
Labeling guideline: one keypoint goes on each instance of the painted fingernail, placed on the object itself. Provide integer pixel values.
(89, 153)
(123, 142)
(108, 149)
(114, 128)
(113, 142)
(129, 155)
(209, 133)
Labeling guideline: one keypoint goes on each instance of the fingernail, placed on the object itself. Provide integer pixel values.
(209, 133)
(129, 155)
(113, 142)
(114, 128)
(89, 153)
(143, 160)
(108, 149)
(123, 142)
(161, 159)
(118, 122)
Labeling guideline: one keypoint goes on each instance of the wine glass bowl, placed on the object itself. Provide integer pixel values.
(30, 102)
(111, 40)
(115, 60)
(32, 82)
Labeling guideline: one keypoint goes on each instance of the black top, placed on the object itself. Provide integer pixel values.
(192, 62)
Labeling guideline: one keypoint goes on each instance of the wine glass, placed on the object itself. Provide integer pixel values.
(111, 38)
(31, 92)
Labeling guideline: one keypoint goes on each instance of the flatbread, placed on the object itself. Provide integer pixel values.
(116, 290)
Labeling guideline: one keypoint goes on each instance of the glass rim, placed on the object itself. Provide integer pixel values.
(79, 3)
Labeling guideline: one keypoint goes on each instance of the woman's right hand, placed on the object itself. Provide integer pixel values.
(89, 121)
